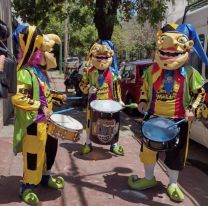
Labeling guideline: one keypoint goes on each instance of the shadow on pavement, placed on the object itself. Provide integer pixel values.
(116, 185)
(98, 153)
(47, 194)
(9, 188)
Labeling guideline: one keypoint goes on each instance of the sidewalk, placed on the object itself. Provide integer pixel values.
(99, 178)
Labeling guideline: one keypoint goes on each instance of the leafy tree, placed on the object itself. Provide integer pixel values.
(81, 28)
(105, 14)
(108, 12)
(33, 11)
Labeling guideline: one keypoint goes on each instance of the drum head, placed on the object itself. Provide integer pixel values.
(156, 129)
(106, 106)
(66, 122)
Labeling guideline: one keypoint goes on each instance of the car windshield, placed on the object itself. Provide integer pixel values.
(72, 59)
(127, 71)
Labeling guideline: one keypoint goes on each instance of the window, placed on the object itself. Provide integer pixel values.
(127, 71)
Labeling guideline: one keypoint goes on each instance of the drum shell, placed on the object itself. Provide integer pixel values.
(60, 132)
(160, 146)
(104, 127)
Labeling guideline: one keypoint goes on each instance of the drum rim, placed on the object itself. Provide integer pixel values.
(105, 111)
(143, 136)
(69, 129)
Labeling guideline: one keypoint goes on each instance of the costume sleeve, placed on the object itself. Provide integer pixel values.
(197, 89)
(145, 88)
(21, 99)
(116, 89)
(57, 98)
(84, 82)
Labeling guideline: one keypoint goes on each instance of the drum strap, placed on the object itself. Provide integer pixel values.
(141, 150)
(109, 80)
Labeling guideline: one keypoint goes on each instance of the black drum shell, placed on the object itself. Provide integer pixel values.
(160, 146)
(106, 124)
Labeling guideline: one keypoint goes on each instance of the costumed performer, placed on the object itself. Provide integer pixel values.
(100, 82)
(33, 103)
(171, 89)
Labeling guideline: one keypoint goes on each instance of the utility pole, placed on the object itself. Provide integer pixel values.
(66, 35)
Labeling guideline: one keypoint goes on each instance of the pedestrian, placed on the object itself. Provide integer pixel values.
(33, 104)
(100, 83)
(171, 89)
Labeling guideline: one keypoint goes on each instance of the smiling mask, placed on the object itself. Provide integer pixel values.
(172, 48)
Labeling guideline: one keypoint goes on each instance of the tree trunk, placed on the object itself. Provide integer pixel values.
(105, 17)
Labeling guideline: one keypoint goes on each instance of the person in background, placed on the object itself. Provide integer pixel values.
(100, 82)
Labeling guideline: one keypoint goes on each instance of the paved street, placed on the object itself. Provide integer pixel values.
(100, 178)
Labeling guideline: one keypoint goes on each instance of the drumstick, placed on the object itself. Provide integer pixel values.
(73, 98)
(63, 110)
(180, 121)
(132, 105)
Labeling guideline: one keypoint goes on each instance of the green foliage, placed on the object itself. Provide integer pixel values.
(82, 39)
(153, 10)
(134, 41)
(85, 16)
(33, 11)
(81, 28)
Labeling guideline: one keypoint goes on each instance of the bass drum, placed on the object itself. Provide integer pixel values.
(105, 121)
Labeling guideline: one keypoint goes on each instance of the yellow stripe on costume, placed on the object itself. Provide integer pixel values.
(148, 156)
(35, 145)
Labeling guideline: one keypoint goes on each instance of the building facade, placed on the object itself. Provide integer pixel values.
(175, 10)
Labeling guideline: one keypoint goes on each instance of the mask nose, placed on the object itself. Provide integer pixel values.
(169, 42)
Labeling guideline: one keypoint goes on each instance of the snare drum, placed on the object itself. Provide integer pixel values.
(64, 127)
(105, 121)
(157, 136)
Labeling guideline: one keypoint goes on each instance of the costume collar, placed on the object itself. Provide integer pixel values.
(41, 76)
(157, 72)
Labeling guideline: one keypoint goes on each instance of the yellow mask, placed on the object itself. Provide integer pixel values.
(47, 47)
(172, 49)
(101, 56)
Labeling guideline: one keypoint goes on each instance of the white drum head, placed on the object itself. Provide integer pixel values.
(66, 122)
(106, 106)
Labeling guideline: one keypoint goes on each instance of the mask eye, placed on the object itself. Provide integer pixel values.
(182, 39)
(162, 38)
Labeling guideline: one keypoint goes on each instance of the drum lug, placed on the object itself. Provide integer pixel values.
(177, 141)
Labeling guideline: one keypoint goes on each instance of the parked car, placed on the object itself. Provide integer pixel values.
(131, 81)
(72, 62)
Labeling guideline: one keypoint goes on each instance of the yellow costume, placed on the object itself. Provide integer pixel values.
(33, 103)
(171, 89)
(100, 83)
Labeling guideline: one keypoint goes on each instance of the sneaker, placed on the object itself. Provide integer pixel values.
(141, 184)
(87, 148)
(118, 150)
(175, 193)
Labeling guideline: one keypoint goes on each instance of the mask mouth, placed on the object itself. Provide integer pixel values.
(101, 57)
(170, 54)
